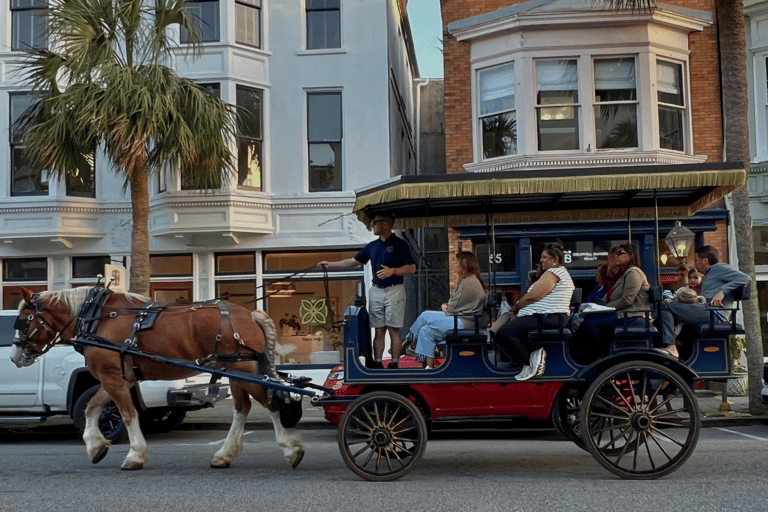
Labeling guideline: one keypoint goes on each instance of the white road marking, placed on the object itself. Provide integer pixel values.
(211, 443)
(750, 436)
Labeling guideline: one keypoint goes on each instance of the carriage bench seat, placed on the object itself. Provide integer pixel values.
(715, 327)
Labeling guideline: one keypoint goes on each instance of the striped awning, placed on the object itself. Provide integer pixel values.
(550, 195)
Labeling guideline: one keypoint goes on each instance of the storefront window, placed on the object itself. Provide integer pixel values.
(171, 265)
(89, 266)
(308, 310)
(235, 263)
(504, 256)
(25, 269)
(760, 235)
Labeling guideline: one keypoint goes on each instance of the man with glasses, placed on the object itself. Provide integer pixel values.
(390, 259)
(717, 287)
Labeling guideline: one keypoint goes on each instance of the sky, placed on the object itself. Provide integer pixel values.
(427, 29)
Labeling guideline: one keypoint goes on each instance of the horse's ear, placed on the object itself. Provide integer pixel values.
(26, 294)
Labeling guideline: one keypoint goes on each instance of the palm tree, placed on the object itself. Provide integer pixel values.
(733, 72)
(103, 86)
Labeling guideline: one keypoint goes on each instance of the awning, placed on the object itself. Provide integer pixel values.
(550, 195)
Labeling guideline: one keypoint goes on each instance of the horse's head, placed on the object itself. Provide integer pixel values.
(36, 330)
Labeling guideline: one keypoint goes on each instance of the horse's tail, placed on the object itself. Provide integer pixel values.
(270, 338)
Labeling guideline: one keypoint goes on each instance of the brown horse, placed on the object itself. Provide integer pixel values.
(188, 332)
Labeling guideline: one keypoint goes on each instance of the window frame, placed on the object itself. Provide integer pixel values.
(340, 141)
(184, 35)
(16, 142)
(18, 13)
(482, 116)
(577, 106)
(307, 22)
(255, 5)
(257, 140)
(685, 110)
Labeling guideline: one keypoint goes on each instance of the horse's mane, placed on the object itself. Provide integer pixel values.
(73, 298)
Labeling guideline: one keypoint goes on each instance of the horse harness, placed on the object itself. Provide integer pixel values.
(91, 313)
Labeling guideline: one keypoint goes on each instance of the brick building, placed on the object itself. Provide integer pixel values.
(574, 84)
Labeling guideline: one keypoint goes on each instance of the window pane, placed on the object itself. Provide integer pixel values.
(615, 80)
(205, 18)
(671, 128)
(248, 25)
(558, 128)
(323, 4)
(83, 183)
(324, 117)
(504, 261)
(249, 107)
(325, 167)
(497, 90)
(28, 25)
(294, 261)
(670, 80)
(89, 266)
(27, 179)
(499, 135)
(235, 263)
(172, 265)
(557, 82)
(25, 269)
(19, 104)
(760, 235)
(616, 126)
(249, 162)
(323, 29)
(238, 292)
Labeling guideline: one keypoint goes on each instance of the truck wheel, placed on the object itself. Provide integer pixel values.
(110, 422)
(161, 419)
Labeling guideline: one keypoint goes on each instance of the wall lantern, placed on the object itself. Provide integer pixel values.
(680, 239)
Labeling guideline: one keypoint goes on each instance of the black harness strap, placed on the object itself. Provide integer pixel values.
(90, 314)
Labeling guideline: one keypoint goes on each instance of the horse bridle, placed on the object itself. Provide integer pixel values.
(22, 327)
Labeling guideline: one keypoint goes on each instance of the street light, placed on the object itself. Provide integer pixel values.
(680, 239)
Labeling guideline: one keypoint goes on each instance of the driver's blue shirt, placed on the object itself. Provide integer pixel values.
(392, 253)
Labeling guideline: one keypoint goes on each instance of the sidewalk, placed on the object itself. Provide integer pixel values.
(220, 417)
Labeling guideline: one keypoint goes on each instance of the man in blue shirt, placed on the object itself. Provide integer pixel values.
(717, 287)
(390, 259)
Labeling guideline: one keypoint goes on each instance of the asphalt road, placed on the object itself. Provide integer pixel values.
(477, 471)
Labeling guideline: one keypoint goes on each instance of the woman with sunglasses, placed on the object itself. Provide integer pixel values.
(628, 295)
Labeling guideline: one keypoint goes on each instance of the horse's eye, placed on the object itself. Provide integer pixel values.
(31, 317)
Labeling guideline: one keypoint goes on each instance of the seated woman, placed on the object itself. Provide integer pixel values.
(628, 295)
(468, 300)
(550, 296)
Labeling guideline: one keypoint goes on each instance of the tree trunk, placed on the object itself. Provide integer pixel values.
(140, 269)
(733, 68)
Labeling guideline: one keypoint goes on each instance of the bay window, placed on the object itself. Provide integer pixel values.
(615, 103)
(671, 105)
(498, 118)
(557, 105)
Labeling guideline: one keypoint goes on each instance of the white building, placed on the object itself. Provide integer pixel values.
(330, 83)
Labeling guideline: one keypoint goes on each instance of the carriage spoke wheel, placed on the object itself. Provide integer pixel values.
(565, 414)
(642, 420)
(381, 436)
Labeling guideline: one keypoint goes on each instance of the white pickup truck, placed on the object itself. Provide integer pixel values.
(60, 385)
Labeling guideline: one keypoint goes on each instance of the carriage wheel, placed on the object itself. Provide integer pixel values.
(643, 420)
(381, 436)
(565, 414)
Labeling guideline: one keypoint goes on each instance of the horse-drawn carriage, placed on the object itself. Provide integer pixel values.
(634, 409)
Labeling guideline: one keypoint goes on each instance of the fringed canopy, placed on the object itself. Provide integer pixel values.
(549, 195)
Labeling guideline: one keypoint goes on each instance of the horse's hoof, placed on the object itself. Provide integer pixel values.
(296, 458)
(100, 455)
(220, 464)
(131, 466)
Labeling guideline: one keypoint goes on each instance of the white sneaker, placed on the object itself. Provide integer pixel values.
(542, 364)
(525, 374)
(534, 359)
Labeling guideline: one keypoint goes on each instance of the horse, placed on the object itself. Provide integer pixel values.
(190, 332)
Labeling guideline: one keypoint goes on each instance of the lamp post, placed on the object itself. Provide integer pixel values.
(680, 239)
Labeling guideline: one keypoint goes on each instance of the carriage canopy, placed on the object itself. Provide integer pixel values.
(550, 195)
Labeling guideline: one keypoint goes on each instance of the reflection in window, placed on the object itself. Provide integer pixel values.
(82, 183)
(171, 265)
(28, 24)
(248, 22)
(557, 105)
(323, 24)
(250, 139)
(187, 181)
(497, 111)
(89, 266)
(27, 178)
(324, 133)
(671, 105)
(234, 263)
(615, 103)
(25, 269)
(205, 19)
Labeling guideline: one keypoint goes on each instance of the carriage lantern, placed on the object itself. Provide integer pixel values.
(680, 239)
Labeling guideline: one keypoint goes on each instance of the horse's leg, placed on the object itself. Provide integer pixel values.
(233, 444)
(289, 440)
(116, 386)
(96, 445)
